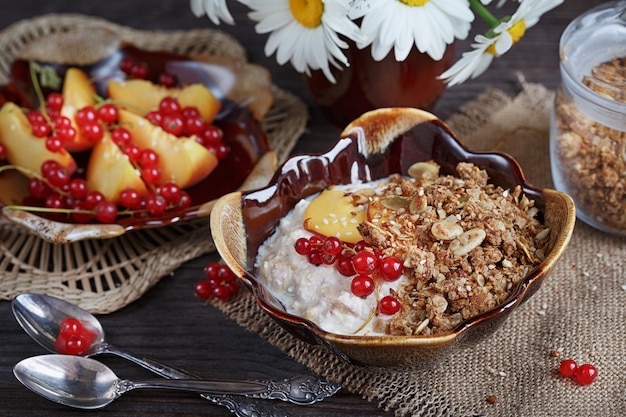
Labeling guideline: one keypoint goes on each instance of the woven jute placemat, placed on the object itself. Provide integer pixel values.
(106, 274)
(578, 313)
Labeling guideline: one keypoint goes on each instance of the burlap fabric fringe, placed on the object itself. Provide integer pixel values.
(578, 313)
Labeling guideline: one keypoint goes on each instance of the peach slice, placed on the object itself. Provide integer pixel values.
(22, 148)
(142, 96)
(110, 171)
(181, 160)
(333, 213)
(78, 92)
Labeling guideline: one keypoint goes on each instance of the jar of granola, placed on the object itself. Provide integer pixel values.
(588, 132)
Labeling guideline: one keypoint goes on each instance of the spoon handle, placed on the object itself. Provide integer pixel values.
(298, 390)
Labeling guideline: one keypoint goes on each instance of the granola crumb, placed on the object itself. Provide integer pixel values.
(492, 399)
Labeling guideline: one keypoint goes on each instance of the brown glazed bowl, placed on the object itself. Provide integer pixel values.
(379, 143)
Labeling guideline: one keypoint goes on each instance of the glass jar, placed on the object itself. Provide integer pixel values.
(588, 129)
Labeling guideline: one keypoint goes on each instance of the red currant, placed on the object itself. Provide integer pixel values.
(53, 143)
(169, 105)
(315, 257)
(92, 199)
(58, 177)
(585, 374)
(389, 305)
(130, 198)
(155, 118)
(302, 246)
(362, 285)
(390, 268)
(121, 136)
(203, 289)
(173, 123)
(3, 151)
(151, 174)
(78, 188)
(140, 70)
(171, 192)
(185, 199)
(106, 212)
(54, 101)
(93, 131)
(156, 204)
(332, 245)
(126, 64)
(70, 326)
(38, 188)
(86, 115)
(365, 262)
(344, 266)
(41, 130)
(167, 80)
(66, 133)
(568, 368)
(108, 113)
(148, 158)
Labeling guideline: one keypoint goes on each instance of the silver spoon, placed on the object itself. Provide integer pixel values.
(40, 316)
(82, 382)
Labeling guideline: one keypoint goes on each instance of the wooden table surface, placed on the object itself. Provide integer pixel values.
(169, 322)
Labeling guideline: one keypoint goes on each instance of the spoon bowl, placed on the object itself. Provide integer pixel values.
(40, 316)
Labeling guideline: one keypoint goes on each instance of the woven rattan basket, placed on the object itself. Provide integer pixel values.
(103, 275)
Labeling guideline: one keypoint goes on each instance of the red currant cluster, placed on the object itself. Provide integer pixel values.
(220, 282)
(180, 121)
(139, 69)
(74, 338)
(360, 261)
(583, 374)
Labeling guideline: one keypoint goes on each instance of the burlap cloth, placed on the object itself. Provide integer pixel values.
(578, 312)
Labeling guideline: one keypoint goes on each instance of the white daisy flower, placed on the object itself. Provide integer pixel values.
(216, 10)
(430, 25)
(497, 41)
(305, 32)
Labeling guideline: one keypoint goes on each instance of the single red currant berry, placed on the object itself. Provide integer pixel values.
(70, 326)
(365, 262)
(185, 200)
(344, 266)
(54, 101)
(390, 268)
(38, 188)
(389, 305)
(41, 130)
(151, 175)
(362, 286)
(315, 257)
(568, 368)
(75, 344)
(328, 259)
(106, 212)
(190, 112)
(126, 64)
(221, 151)
(93, 131)
(332, 245)
(169, 105)
(121, 136)
(86, 115)
(92, 199)
(221, 292)
(203, 289)
(108, 113)
(130, 198)
(48, 166)
(316, 242)
(148, 158)
(66, 133)
(35, 117)
(212, 270)
(361, 245)
(171, 192)
(54, 201)
(212, 135)
(167, 80)
(156, 204)
(78, 188)
(140, 70)
(53, 143)
(193, 125)
(585, 374)
(132, 151)
(58, 177)
(173, 123)
(302, 246)
(62, 121)
(155, 118)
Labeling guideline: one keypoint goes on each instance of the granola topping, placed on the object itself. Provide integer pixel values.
(465, 245)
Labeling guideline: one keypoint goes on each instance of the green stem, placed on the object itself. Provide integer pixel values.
(484, 13)
(36, 86)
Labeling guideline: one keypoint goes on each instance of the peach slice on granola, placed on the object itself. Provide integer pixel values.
(334, 213)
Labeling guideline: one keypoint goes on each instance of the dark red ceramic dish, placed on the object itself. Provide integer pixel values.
(242, 133)
(378, 144)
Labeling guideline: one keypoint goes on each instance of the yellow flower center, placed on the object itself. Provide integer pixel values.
(516, 31)
(414, 3)
(307, 12)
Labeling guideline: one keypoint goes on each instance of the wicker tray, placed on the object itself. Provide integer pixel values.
(103, 275)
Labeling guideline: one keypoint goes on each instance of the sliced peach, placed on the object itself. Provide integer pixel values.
(181, 160)
(22, 148)
(78, 92)
(333, 213)
(110, 171)
(142, 96)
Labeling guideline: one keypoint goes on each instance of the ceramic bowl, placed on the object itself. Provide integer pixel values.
(379, 143)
